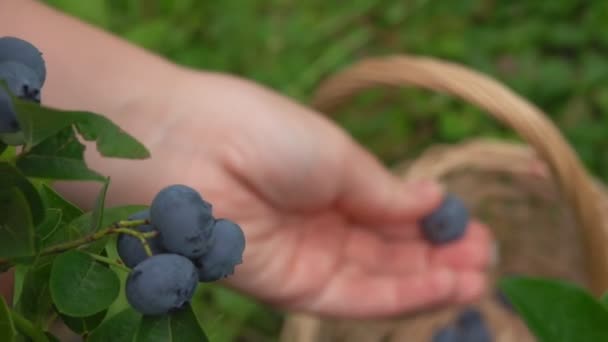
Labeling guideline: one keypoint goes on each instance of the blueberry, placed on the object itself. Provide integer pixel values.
(161, 284)
(129, 247)
(225, 253)
(184, 220)
(449, 333)
(472, 326)
(21, 80)
(446, 223)
(18, 50)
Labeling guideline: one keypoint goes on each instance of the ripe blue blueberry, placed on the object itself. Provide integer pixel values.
(472, 326)
(449, 333)
(225, 252)
(19, 50)
(184, 220)
(21, 80)
(130, 248)
(446, 223)
(161, 283)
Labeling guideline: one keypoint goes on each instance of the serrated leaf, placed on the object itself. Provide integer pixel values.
(7, 328)
(177, 326)
(40, 123)
(112, 141)
(83, 325)
(118, 328)
(97, 214)
(81, 286)
(557, 311)
(35, 298)
(11, 177)
(16, 226)
(60, 157)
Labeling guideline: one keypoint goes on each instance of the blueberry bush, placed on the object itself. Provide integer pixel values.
(125, 273)
(551, 52)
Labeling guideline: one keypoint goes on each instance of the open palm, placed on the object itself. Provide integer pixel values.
(328, 229)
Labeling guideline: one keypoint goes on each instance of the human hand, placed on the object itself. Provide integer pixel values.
(328, 229)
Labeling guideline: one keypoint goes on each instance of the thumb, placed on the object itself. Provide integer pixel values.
(372, 194)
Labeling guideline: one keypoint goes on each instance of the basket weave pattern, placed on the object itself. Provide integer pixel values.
(544, 209)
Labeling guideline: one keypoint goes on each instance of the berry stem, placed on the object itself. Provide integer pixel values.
(120, 227)
(141, 236)
(109, 261)
(27, 328)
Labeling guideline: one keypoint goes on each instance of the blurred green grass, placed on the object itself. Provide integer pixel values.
(551, 52)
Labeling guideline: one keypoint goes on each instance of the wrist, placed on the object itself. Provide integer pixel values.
(87, 68)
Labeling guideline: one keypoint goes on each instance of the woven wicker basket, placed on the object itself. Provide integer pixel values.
(547, 213)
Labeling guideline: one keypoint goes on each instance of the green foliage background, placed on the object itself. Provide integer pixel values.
(551, 52)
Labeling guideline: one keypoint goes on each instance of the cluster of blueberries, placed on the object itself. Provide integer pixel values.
(191, 246)
(23, 71)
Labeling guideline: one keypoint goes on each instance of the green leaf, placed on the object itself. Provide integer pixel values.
(97, 214)
(557, 311)
(3, 147)
(48, 226)
(8, 153)
(112, 141)
(7, 327)
(83, 325)
(118, 328)
(35, 299)
(16, 227)
(58, 157)
(110, 215)
(604, 299)
(69, 212)
(180, 325)
(51, 337)
(52, 199)
(80, 286)
(81, 226)
(40, 123)
(9, 177)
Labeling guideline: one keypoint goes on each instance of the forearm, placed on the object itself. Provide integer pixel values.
(87, 68)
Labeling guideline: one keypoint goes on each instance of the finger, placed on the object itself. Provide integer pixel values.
(377, 255)
(404, 231)
(371, 194)
(471, 286)
(473, 251)
(355, 294)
